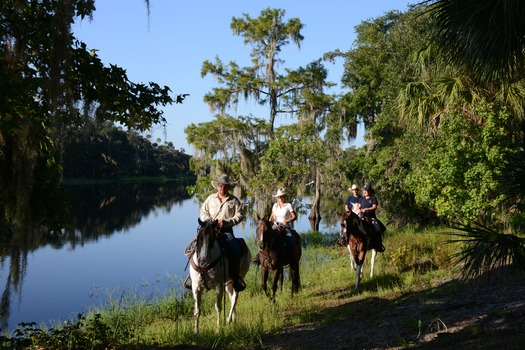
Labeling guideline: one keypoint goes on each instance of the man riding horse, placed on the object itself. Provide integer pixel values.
(227, 210)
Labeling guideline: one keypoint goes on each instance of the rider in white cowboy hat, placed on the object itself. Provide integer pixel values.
(282, 216)
(352, 200)
(225, 208)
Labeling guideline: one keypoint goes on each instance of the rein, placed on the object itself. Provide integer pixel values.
(207, 267)
(268, 247)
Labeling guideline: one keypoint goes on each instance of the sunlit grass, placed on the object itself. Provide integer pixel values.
(411, 261)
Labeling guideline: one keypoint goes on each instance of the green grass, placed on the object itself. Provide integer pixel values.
(411, 262)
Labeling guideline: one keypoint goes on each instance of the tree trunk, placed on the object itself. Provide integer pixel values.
(315, 213)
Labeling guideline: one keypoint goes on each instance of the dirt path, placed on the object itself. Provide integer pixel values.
(479, 315)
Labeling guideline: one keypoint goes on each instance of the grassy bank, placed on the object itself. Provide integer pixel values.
(412, 262)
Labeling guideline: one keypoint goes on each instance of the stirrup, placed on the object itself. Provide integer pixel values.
(186, 284)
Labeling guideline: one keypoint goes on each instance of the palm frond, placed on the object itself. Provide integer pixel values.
(488, 36)
(486, 250)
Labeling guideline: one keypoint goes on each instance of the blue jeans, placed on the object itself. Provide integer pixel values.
(231, 242)
(290, 239)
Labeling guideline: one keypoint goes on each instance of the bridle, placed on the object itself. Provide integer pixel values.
(205, 265)
(265, 245)
(347, 219)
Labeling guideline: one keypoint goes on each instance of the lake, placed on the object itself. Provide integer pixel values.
(126, 238)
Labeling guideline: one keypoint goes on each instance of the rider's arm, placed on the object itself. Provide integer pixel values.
(293, 217)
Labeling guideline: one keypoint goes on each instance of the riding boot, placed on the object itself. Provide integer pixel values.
(235, 266)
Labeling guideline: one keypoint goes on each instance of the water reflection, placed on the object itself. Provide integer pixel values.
(101, 210)
(94, 211)
(50, 274)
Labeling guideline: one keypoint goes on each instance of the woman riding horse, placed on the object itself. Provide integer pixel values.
(274, 255)
(282, 216)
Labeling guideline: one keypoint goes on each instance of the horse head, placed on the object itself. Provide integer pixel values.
(263, 231)
(349, 221)
(206, 234)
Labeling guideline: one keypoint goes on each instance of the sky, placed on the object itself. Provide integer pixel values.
(170, 46)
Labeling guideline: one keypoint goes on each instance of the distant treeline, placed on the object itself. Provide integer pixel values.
(106, 151)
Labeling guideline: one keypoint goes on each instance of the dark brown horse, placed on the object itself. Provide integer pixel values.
(359, 234)
(274, 255)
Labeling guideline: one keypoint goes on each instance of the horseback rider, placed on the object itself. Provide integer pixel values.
(352, 204)
(225, 208)
(282, 216)
(367, 211)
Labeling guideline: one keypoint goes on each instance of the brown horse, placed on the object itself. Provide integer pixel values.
(275, 255)
(359, 234)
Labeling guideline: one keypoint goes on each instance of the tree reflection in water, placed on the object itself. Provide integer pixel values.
(85, 213)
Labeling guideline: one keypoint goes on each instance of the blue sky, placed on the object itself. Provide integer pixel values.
(170, 47)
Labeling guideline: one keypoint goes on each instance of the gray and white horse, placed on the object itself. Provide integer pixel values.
(209, 270)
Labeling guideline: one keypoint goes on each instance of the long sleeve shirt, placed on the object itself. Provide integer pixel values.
(230, 211)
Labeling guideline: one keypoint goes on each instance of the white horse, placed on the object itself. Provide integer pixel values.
(209, 269)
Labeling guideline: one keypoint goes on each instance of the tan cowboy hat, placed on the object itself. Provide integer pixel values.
(225, 180)
(354, 187)
(280, 192)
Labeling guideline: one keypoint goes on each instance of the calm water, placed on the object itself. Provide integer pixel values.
(119, 245)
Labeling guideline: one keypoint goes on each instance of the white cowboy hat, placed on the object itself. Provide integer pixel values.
(354, 187)
(225, 180)
(280, 192)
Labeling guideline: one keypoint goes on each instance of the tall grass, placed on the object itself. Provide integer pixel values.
(411, 261)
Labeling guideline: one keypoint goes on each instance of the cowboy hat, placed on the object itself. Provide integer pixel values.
(280, 192)
(354, 187)
(225, 180)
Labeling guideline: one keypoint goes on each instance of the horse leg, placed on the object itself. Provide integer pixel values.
(372, 262)
(219, 290)
(359, 271)
(276, 277)
(197, 310)
(264, 279)
(353, 266)
(234, 296)
(296, 278)
(281, 279)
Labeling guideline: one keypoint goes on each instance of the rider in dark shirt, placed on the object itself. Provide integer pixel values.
(368, 202)
(353, 199)
(367, 208)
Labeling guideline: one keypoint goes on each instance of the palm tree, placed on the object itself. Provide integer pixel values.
(486, 36)
(486, 39)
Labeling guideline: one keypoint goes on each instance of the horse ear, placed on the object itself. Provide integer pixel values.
(200, 221)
